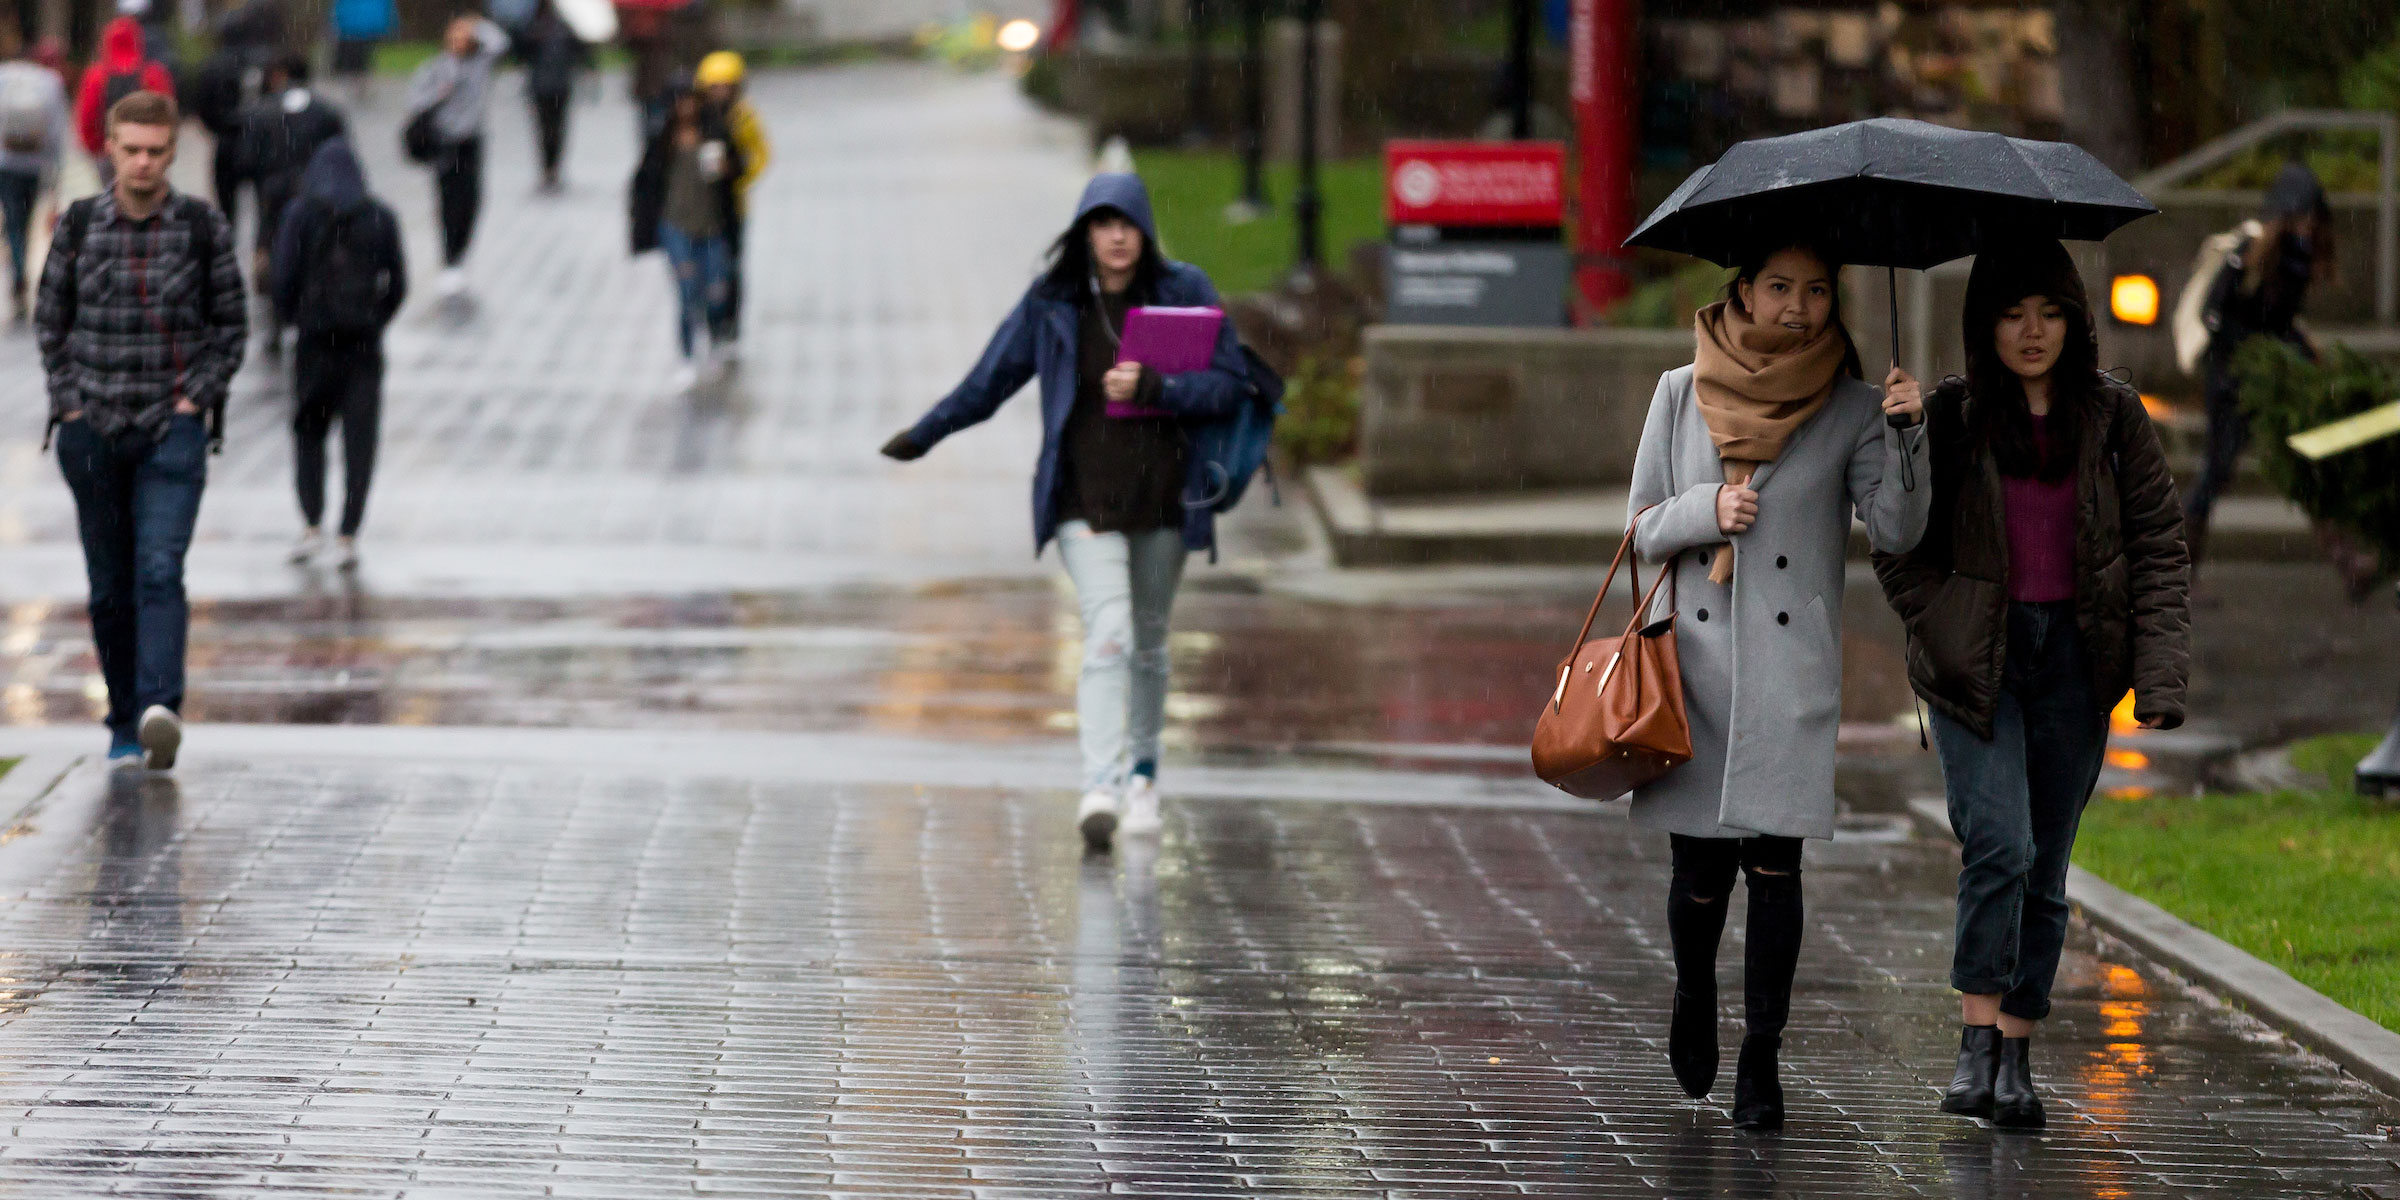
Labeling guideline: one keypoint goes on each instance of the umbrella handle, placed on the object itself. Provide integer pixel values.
(1891, 277)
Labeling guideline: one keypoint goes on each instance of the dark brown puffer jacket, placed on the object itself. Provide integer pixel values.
(2131, 567)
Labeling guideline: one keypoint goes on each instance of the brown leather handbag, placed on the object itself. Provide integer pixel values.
(1615, 719)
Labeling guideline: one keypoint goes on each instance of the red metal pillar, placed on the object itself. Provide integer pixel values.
(1606, 94)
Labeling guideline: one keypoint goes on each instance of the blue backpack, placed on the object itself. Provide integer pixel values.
(1234, 448)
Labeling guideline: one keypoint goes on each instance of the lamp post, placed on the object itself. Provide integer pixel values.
(1307, 204)
(1196, 122)
(1252, 203)
(1520, 69)
(2379, 771)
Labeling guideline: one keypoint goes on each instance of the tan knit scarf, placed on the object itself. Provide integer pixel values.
(1757, 385)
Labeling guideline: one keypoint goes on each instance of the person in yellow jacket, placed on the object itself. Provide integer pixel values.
(719, 79)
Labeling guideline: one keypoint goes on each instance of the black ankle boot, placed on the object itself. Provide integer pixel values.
(1757, 1092)
(1970, 1091)
(2015, 1105)
(1692, 1044)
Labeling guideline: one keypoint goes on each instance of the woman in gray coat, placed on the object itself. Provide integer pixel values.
(1752, 463)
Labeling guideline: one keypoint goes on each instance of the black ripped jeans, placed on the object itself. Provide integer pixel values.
(1698, 895)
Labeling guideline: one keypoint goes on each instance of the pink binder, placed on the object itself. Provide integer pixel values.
(1170, 341)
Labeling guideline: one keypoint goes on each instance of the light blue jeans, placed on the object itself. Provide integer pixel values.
(1125, 584)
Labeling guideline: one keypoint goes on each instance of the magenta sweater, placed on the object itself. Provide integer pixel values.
(2041, 532)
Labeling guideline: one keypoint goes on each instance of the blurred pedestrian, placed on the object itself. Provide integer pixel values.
(358, 27)
(33, 139)
(554, 57)
(137, 373)
(280, 133)
(1751, 464)
(340, 276)
(683, 202)
(455, 87)
(2051, 579)
(1109, 488)
(2259, 292)
(720, 78)
(226, 84)
(649, 38)
(123, 68)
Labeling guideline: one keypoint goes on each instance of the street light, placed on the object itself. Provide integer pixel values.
(1307, 205)
(1196, 98)
(1253, 201)
(1520, 69)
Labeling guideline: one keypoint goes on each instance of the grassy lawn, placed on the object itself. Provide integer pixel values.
(1190, 189)
(2308, 881)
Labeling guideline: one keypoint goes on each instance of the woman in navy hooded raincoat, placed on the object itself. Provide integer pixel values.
(1108, 488)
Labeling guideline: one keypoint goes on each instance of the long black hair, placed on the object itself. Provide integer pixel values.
(1998, 416)
(1746, 271)
(1072, 275)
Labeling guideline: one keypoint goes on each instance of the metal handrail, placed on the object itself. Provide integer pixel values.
(2386, 127)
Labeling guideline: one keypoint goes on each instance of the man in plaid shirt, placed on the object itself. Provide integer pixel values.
(142, 320)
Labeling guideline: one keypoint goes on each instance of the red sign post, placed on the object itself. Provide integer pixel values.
(1605, 93)
(1475, 184)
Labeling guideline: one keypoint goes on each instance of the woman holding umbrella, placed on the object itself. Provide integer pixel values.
(1751, 465)
(2051, 579)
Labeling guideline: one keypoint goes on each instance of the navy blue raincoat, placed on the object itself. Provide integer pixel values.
(1037, 340)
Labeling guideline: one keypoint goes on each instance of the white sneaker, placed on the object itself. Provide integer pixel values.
(451, 282)
(1141, 808)
(1097, 817)
(312, 540)
(685, 378)
(345, 554)
(162, 735)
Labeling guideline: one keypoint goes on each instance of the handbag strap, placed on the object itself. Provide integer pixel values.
(1622, 548)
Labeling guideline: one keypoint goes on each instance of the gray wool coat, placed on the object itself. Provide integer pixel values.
(1762, 657)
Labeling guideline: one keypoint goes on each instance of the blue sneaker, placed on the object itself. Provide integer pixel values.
(124, 755)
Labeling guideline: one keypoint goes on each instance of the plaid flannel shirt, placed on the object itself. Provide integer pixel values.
(132, 321)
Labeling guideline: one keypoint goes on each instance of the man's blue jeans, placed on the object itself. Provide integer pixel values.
(2016, 801)
(135, 503)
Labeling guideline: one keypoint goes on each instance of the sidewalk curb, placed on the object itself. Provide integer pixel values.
(2365, 1048)
(34, 776)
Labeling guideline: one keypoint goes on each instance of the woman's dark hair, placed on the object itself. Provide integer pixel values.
(2296, 215)
(1997, 415)
(1071, 271)
(1746, 271)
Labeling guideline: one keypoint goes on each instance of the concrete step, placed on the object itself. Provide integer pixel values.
(1583, 526)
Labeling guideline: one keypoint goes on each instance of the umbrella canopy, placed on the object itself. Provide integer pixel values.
(1890, 192)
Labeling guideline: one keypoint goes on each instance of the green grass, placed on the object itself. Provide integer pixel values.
(2306, 880)
(1190, 189)
(9, 764)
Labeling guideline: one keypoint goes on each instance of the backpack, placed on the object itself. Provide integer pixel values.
(2195, 323)
(346, 284)
(1232, 449)
(24, 113)
(118, 86)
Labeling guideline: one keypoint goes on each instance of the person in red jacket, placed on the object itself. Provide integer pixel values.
(124, 67)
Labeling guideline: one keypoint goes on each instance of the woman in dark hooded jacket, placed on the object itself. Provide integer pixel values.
(1109, 487)
(339, 277)
(2051, 579)
(2260, 293)
(683, 201)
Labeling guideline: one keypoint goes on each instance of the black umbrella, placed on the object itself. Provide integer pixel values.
(1890, 192)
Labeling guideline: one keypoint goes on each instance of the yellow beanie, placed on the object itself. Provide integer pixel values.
(722, 67)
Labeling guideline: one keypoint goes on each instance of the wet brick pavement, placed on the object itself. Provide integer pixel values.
(328, 978)
(428, 960)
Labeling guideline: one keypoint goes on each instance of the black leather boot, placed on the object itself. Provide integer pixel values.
(1757, 1091)
(2015, 1105)
(1692, 1043)
(1970, 1091)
